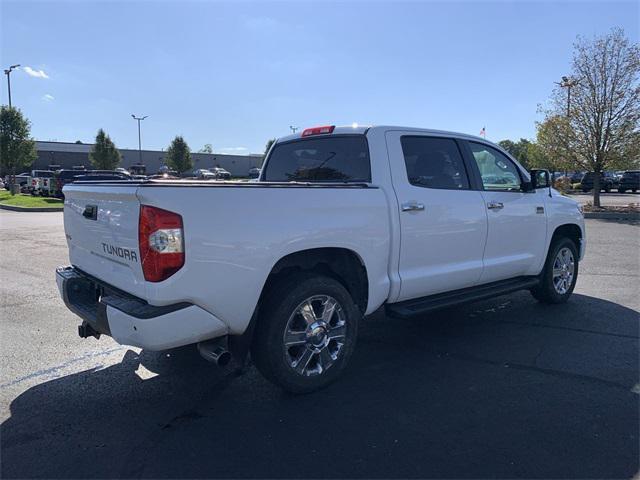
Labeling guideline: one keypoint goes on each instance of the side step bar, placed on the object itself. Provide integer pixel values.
(417, 306)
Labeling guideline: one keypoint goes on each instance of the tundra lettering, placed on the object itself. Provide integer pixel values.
(340, 222)
(119, 252)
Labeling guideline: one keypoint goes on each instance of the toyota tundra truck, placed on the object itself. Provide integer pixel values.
(350, 219)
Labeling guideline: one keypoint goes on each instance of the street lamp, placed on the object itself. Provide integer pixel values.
(568, 83)
(7, 72)
(293, 129)
(139, 119)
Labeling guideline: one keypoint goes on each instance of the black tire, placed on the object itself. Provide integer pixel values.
(268, 351)
(607, 189)
(546, 292)
(621, 190)
(634, 190)
(585, 190)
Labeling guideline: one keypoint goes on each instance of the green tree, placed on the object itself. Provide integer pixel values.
(267, 147)
(179, 155)
(104, 155)
(551, 147)
(602, 122)
(208, 148)
(520, 150)
(17, 148)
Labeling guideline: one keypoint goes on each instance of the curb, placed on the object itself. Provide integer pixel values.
(612, 215)
(14, 208)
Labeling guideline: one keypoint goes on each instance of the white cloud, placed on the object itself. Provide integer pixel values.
(35, 73)
(234, 149)
(48, 97)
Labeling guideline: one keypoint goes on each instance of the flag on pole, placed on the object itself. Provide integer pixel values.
(483, 133)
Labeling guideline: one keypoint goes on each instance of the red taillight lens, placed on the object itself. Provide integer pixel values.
(318, 130)
(160, 237)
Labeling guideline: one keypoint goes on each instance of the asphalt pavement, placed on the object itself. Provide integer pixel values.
(505, 388)
(608, 199)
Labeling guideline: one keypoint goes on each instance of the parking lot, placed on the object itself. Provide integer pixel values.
(504, 388)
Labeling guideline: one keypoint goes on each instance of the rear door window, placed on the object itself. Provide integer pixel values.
(334, 159)
(434, 163)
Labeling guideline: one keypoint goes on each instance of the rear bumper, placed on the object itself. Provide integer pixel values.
(130, 320)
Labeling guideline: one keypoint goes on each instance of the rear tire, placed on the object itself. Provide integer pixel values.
(558, 278)
(306, 332)
(621, 190)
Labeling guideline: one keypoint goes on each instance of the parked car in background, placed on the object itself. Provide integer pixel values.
(351, 219)
(608, 181)
(40, 182)
(254, 172)
(576, 177)
(23, 179)
(630, 181)
(221, 173)
(204, 174)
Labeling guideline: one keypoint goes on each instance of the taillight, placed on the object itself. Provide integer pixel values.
(318, 130)
(160, 238)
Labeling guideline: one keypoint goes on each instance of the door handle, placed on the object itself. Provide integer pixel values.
(495, 205)
(412, 207)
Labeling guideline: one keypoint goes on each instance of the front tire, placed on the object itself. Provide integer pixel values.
(306, 332)
(621, 190)
(558, 278)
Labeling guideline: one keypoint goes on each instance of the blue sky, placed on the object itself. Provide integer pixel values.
(234, 74)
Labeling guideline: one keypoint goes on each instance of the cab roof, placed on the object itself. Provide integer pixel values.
(363, 129)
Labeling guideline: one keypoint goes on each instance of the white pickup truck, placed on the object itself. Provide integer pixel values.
(341, 222)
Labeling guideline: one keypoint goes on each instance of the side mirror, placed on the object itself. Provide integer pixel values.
(540, 179)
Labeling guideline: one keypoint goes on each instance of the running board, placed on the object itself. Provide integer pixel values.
(416, 306)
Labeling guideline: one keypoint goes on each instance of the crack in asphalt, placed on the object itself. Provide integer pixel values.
(49, 371)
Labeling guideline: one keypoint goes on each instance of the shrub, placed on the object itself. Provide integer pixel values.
(562, 184)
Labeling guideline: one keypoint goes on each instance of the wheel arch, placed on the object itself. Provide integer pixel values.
(572, 231)
(342, 264)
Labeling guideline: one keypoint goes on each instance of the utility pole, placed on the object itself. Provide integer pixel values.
(568, 83)
(139, 119)
(293, 129)
(7, 72)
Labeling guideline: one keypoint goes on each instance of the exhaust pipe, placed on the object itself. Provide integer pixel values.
(213, 351)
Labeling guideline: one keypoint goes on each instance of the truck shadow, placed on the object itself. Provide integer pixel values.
(505, 388)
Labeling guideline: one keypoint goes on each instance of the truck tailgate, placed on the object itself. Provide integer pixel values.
(101, 226)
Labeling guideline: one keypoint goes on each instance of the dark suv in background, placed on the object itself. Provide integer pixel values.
(630, 181)
(607, 181)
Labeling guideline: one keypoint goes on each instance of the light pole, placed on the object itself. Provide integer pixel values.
(139, 119)
(293, 129)
(7, 72)
(568, 83)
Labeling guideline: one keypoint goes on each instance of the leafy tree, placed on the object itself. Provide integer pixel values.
(17, 149)
(550, 149)
(78, 142)
(179, 155)
(208, 148)
(602, 123)
(267, 147)
(104, 155)
(519, 150)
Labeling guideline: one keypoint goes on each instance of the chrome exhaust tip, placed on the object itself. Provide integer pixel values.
(214, 352)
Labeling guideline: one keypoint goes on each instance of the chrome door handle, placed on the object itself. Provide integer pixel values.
(495, 205)
(412, 207)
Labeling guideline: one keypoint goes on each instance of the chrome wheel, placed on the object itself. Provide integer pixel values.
(315, 335)
(563, 270)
